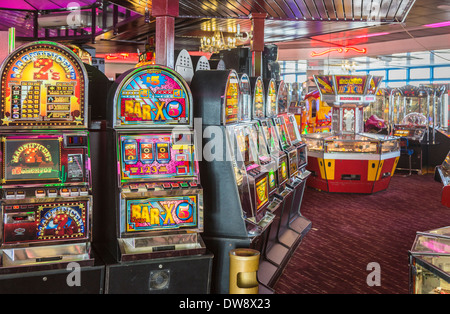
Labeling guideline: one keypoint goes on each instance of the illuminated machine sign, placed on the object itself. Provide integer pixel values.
(153, 96)
(156, 156)
(165, 213)
(46, 222)
(43, 85)
(350, 84)
(232, 100)
(325, 84)
(258, 103)
(31, 159)
(271, 103)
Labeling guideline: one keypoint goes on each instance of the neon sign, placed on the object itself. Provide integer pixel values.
(339, 50)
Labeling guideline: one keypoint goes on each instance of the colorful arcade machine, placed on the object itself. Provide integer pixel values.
(346, 159)
(278, 244)
(155, 214)
(236, 182)
(46, 199)
(295, 225)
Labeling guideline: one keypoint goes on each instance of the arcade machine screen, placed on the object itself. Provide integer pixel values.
(272, 106)
(42, 87)
(232, 101)
(259, 99)
(350, 84)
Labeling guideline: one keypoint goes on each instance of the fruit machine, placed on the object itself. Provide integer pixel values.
(347, 160)
(154, 217)
(429, 262)
(294, 225)
(275, 252)
(236, 183)
(46, 188)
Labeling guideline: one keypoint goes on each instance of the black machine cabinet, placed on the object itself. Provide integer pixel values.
(236, 190)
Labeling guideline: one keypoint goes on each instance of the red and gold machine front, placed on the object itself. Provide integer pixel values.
(46, 196)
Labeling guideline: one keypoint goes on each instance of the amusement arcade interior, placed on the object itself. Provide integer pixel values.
(225, 147)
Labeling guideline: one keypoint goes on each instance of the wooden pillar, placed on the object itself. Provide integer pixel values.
(165, 12)
(257, 42)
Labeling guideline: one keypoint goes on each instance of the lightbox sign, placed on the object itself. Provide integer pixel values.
(43, 86)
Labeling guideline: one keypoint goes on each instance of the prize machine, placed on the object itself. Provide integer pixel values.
(409, 117)
(235, 181)
(46, 199)
(277, 249)
(291, 142)
(440, 136)
(154, 216)
(348, 160)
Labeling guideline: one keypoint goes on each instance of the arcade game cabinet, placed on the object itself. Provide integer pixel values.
(46, 198)
(236, 183)
(442, 174)
(155, 212)
(278, 246)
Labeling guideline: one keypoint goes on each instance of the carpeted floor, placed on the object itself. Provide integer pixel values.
(349, 231)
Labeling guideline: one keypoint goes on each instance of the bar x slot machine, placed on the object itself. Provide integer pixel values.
(155, 193)
(46, 196)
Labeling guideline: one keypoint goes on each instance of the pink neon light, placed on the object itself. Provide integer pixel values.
(440, 24)
(372, 35)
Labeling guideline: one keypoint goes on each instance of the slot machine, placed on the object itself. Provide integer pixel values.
(156, 197)
(296, 220)
(293, 225)
(46, 193)
(276, 253)
(236, 185)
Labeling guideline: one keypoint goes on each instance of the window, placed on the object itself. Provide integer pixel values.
(419, 73)
(441, 72)
(399, 74)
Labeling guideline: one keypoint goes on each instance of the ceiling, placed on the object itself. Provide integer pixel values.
(292, 24)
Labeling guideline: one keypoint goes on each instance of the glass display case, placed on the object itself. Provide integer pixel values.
(367, 143)
(351, 143)
(430, 262)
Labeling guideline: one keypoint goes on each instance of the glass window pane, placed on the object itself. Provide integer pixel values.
(442, 72)
(290, 78)
(397, 74)
(419, 73)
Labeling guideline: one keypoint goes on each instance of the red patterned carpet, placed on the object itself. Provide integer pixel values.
(349, 231)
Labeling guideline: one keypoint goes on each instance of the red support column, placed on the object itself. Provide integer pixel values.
(165, 12)
(257, 42)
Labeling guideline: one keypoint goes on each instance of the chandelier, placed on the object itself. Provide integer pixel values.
(217, 42)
